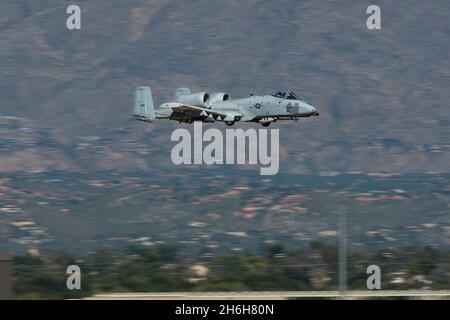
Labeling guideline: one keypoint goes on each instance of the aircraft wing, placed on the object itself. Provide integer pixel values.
(219, 115)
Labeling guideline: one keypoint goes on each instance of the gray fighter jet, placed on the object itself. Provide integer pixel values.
(189, 107)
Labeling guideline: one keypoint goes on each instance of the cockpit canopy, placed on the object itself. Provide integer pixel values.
(290, 95)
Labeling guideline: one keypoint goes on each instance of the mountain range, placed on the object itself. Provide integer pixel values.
(382, 94)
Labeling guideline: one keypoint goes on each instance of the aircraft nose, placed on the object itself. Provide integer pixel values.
(314, 111)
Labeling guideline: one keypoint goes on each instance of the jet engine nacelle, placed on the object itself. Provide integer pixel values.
(200, 99)
(219, 96)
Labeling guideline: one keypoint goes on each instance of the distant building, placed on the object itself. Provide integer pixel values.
(199, 273)
(5, 277)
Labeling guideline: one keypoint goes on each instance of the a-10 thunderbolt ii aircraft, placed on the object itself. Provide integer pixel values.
(189, 107)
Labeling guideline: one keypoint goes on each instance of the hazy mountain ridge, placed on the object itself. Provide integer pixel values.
(371, 87)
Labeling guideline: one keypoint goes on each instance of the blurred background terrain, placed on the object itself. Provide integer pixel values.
(77, 174)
